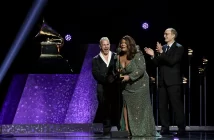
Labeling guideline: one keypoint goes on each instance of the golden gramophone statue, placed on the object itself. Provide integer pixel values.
(50, 60)
(51, 41)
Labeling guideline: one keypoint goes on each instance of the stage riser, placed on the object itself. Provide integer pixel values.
(190, 128)
(73, 129)
(64, 98)
(50, 128)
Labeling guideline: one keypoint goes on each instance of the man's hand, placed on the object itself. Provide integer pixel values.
(149, 51)
(159, 47)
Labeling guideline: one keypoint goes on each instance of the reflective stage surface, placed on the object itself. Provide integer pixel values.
(67, 136)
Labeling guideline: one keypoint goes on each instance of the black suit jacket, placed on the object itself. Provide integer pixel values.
(170, 64)
(101, 72)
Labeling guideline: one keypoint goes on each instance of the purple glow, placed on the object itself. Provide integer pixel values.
(45, 98)
(145, 25)
(25, 29)
(83, 105)
(68, 37)
(53, 130)
(12, 99)
(53, 98)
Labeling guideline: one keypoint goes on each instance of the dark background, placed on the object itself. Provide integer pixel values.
(88, 21)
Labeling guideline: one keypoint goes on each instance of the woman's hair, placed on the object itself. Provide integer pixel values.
(131, 46)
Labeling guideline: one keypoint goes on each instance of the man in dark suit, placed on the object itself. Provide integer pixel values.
(103, 72)
(170, 80)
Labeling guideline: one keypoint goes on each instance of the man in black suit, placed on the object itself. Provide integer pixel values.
(169, 60)
(103, 72)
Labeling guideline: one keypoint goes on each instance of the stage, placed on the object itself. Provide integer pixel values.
(63, 106)
(67, 136)
(88, 132)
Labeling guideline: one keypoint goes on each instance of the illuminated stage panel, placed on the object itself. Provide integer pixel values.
(54, 98)
(11, 101)
(45, 98)
(83, 104)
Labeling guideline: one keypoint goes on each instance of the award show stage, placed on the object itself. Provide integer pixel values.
(62, 106)
(53, 96)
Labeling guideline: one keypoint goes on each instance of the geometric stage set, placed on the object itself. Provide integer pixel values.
(56, 103)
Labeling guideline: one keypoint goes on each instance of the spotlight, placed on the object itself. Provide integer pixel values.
(190, 51)
(184, 80)
(204, 61)
(145, 25)
(68, 37)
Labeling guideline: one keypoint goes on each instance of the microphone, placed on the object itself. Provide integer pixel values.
(118, 72)
(118, 50)
(114, 72)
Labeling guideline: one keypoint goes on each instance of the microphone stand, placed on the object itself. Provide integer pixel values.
(190, 53)
(201, 71)
(157, 94)
(205, 94)
(119, 89)
(118, 81)
(157, 90)
(205, 61)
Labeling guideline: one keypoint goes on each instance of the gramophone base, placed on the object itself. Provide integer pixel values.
(51, 63)
(50, 49)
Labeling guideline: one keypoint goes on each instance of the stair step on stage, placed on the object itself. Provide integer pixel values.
(190, 128)
(86, 129)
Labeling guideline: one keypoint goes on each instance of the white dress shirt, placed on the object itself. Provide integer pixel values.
(170, 45)
(109, 58)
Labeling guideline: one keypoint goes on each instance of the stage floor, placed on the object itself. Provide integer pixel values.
(189, 136)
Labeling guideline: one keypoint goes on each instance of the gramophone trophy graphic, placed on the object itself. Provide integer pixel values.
(50, 60)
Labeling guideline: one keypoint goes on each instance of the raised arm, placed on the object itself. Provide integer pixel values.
(141, 67)
(155, 59)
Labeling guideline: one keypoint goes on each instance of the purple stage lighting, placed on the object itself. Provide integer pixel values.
(53, 98)
(145, 25)
(68, 37)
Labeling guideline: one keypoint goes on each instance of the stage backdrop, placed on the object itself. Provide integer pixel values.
(53, 98)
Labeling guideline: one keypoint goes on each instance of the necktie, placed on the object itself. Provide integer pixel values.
(167, 48)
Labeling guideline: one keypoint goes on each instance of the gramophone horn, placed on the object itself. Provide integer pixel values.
(51, 35)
